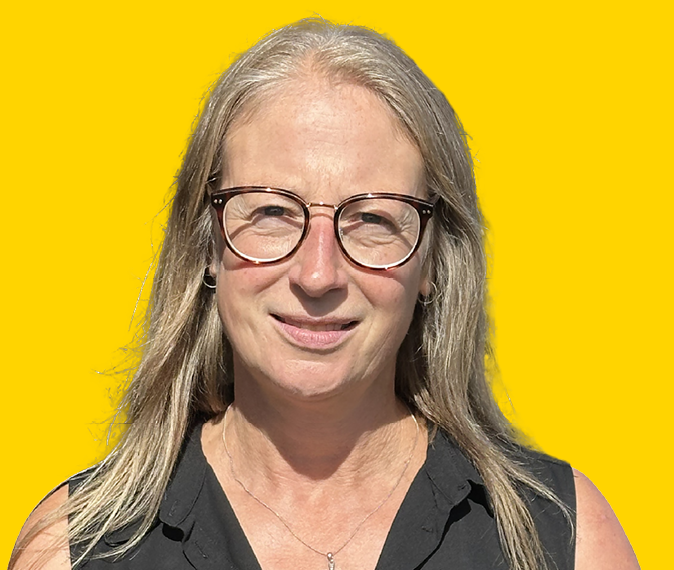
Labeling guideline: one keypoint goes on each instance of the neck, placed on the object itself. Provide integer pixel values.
(347, 437)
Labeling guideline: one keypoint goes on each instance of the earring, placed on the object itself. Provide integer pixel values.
(431, 297)
(208, 279)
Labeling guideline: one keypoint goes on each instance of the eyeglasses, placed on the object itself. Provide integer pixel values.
(266, 225)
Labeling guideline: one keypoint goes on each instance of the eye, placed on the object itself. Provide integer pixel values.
(370, 218)
(273, 211)
(379, 222)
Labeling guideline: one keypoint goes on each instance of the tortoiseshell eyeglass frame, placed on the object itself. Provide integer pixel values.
(423, 208)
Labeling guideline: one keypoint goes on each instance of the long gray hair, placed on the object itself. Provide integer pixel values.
(185, 373)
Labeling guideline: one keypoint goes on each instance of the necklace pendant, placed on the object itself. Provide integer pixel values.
(331, 561)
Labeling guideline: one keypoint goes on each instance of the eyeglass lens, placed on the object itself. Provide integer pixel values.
(376, 232)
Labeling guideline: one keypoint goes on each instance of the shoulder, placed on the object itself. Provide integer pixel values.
(600, 540)
(43, 540)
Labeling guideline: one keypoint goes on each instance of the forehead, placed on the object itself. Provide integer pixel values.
(320, 138)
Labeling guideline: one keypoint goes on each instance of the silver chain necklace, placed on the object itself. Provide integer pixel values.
(329, 555)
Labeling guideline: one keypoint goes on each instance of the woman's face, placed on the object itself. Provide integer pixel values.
(315, 325)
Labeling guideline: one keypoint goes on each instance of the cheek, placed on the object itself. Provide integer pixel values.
(397, 290)
(237, 276)
(410, 289)
(404, 311)
(393, 300)
(241, 288)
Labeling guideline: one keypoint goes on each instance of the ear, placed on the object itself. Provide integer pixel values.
(425, 286)
(214, 266)
(217, 247)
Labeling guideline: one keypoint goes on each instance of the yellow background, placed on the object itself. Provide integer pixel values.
(569, 109)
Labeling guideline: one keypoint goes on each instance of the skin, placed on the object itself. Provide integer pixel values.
(324, 433)
(601, 543)
(55, 559)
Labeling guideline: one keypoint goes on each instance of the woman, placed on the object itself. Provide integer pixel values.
(312, 390)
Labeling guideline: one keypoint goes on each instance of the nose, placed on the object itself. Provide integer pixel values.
(318, 265)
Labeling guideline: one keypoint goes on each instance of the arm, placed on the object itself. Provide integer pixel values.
(601, 543)
(58, 559)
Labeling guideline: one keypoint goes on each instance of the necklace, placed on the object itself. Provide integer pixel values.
(330, 556)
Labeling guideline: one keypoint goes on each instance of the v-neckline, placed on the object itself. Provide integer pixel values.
(425, 507)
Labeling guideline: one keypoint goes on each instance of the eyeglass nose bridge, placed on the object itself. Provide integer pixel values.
(335, 207)
(338, 234)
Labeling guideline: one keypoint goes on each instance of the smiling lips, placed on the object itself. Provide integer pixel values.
(315, 333)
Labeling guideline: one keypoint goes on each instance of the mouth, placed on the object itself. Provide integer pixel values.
(317, 326)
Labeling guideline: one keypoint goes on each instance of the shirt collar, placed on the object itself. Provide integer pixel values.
(449, 469)
(446, 479)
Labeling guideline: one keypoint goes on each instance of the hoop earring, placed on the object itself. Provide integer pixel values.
(208, 280)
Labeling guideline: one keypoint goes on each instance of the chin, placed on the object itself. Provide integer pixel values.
(312, 387)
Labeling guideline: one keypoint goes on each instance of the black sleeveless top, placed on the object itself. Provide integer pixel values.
(445, 521)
